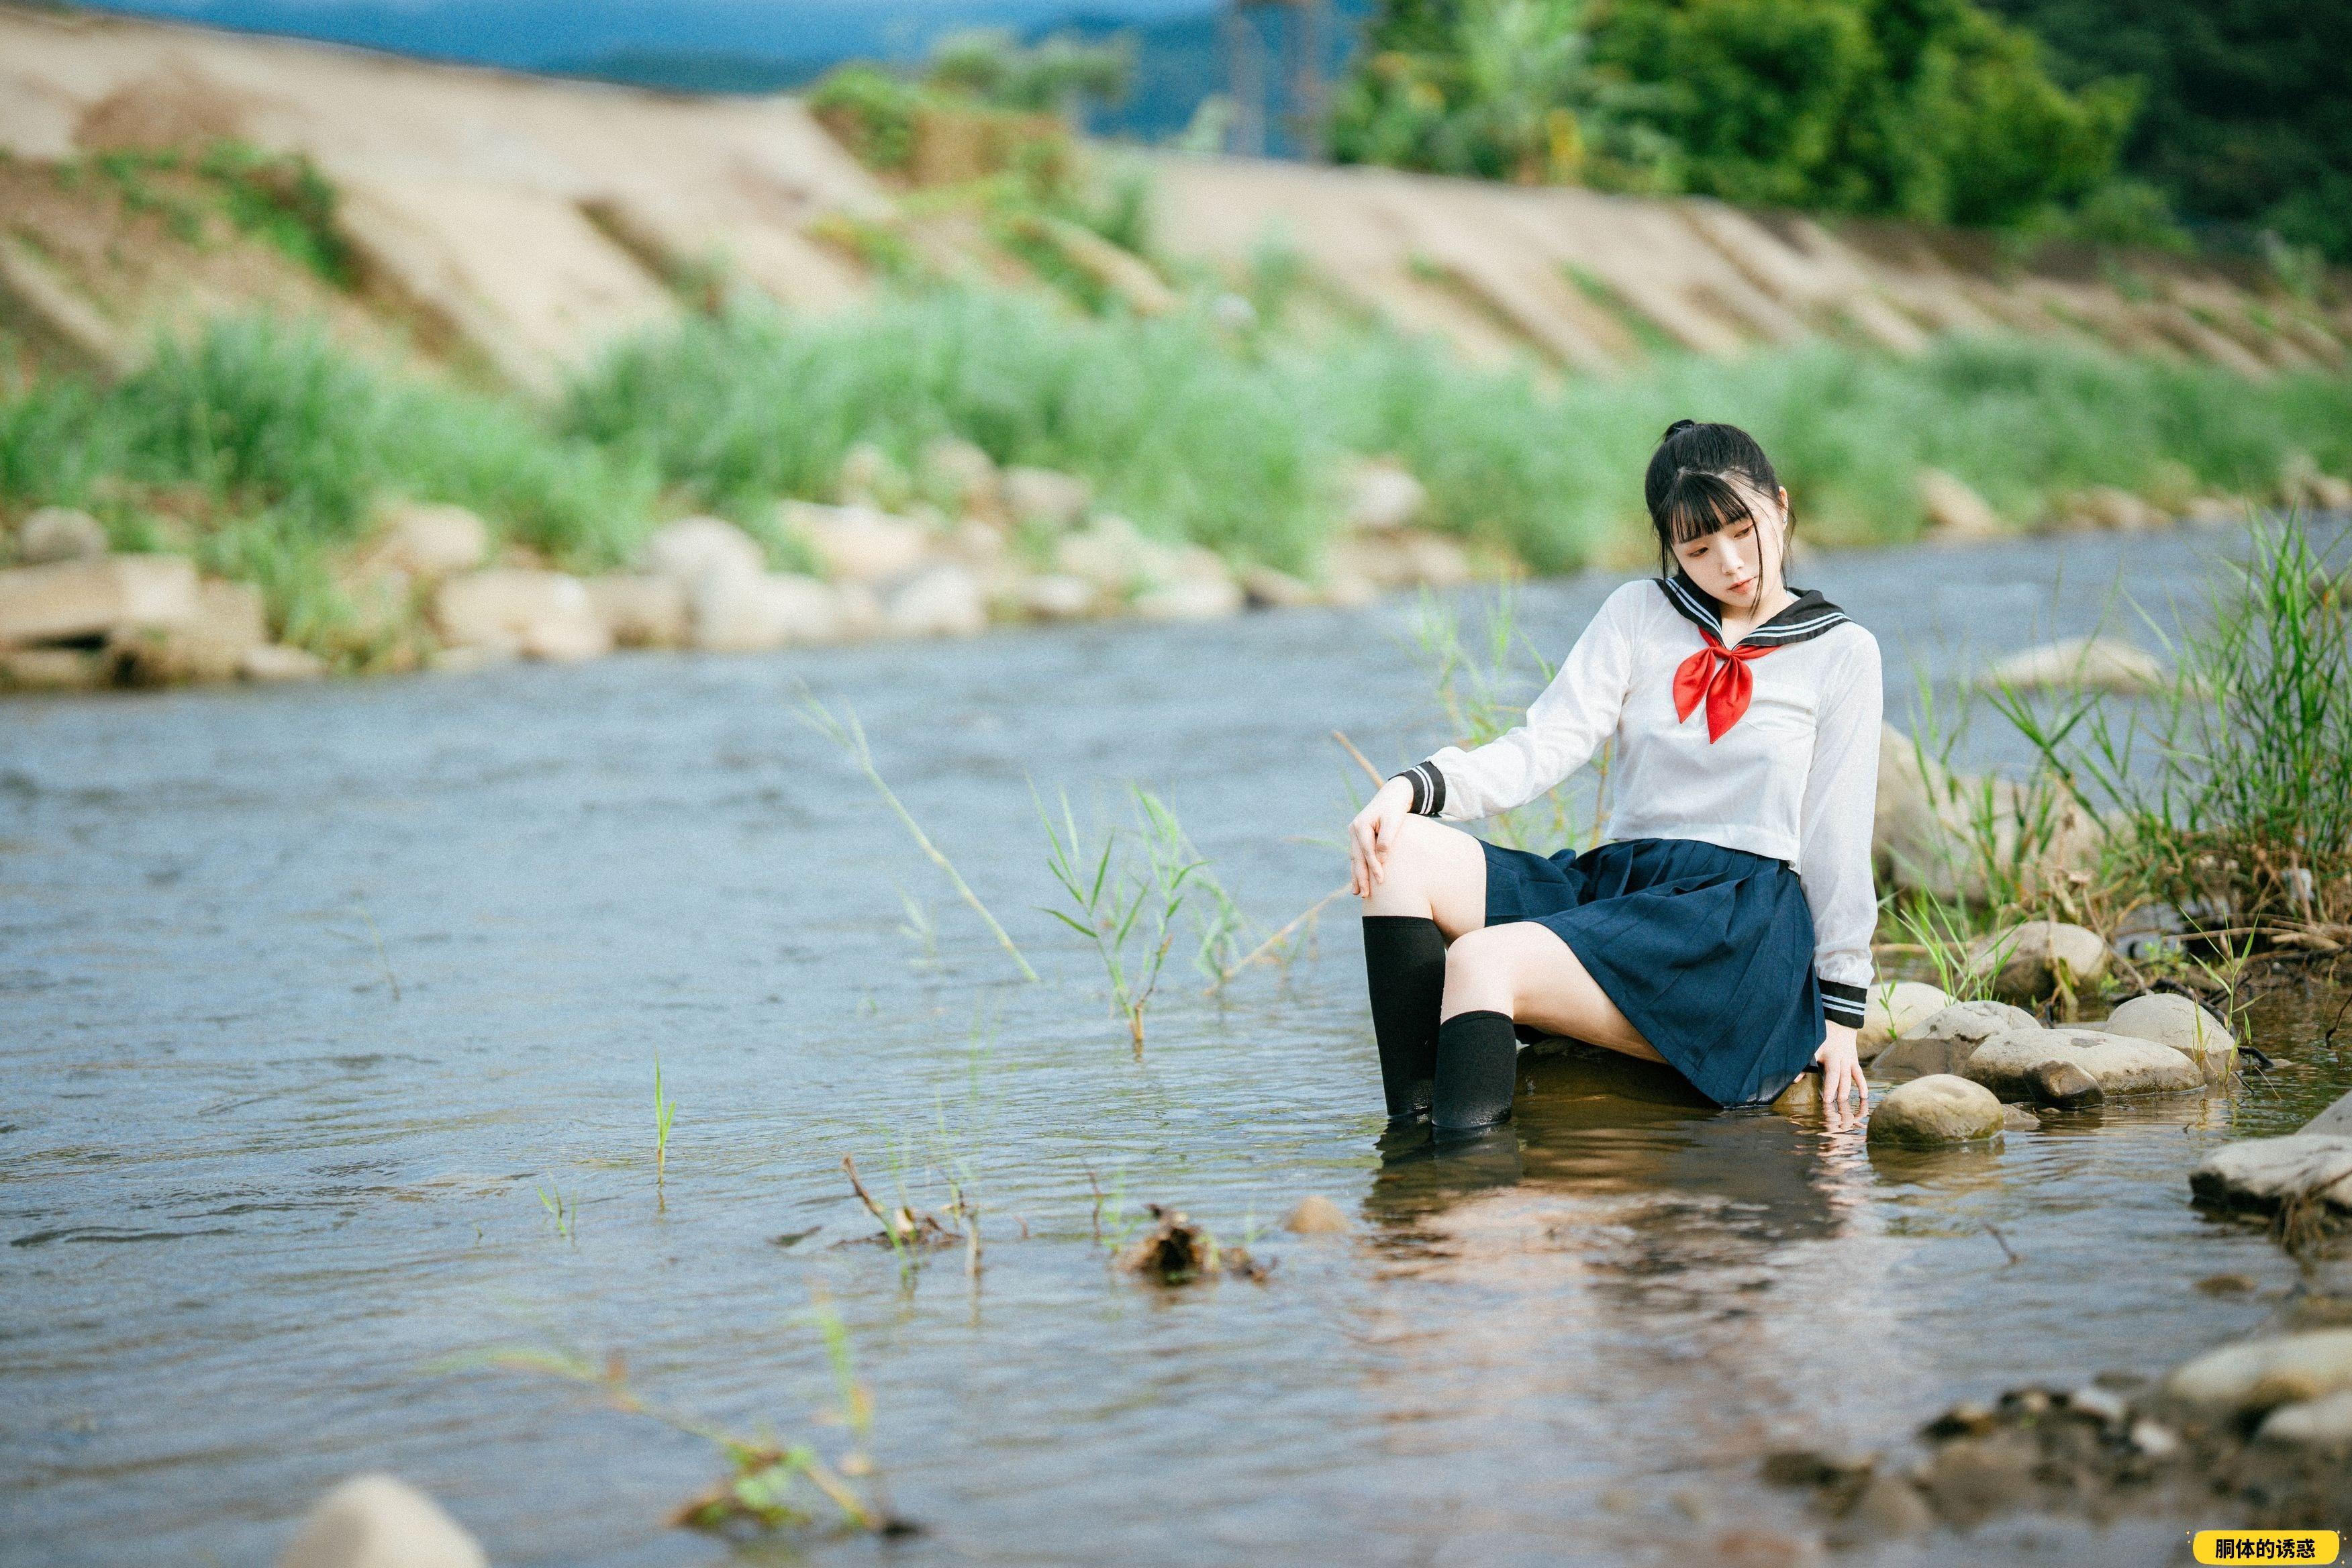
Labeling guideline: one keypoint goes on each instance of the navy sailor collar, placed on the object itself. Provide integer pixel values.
(1809, 617)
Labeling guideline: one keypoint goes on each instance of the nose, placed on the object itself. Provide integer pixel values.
(1735, 561)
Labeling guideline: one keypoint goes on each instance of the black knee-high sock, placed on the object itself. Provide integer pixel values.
(1478, 1067)
(1405, 969)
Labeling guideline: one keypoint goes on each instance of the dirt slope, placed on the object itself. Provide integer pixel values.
(519, 223)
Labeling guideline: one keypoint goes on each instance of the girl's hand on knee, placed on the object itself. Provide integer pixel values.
(1373, 834)
(1840, 1072)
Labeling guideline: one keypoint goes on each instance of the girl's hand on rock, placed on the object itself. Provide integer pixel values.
(1841, 1077)
(1373, 834)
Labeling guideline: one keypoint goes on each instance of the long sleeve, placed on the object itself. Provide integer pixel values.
(1834, 832)
(1564, 725)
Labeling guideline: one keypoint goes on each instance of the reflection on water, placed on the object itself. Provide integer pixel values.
(309, 995)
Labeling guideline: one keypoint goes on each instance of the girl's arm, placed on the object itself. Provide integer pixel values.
(1833, 853)
(1564, 725)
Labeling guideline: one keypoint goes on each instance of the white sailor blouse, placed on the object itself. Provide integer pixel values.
(1769, 746)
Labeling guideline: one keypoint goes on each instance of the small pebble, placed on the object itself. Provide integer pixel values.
(2154, 1439)
(2227, 1284)
(1316, 1215)
(2099, 1404)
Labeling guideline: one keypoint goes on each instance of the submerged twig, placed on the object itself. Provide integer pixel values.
(850, 736)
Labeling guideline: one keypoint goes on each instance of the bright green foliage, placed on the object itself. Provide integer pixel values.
(1925, 108)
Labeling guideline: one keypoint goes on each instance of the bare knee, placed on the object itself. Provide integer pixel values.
(1482, 971)
(1435, 872)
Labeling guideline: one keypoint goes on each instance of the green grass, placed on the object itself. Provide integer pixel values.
(264, 449)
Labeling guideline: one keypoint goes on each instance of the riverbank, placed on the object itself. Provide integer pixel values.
(954, 460)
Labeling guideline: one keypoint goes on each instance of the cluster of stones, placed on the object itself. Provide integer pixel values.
(1956, 513)
(1957, 1069)
(942, 552)
(72, 615)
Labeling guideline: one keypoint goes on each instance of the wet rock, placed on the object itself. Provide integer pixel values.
(1889, 1508)
(2037, 959)
(2023, 1065)
(642, 610)
(54, 668)
(2336, 1121)
(534, 615)
(1896, 1009)
(377, 1521)
(2150, 932)
(1316, 1215)
(2303, 1174)
(2227, 1285)
(209, 645)
(943, 601)
(2176, 1021)
(427, 543)
(959, 477)
(2264, 1373)
(273, 663)
(1945, 1041)
(1955, 511)
(1938, 1109)
(695, 548)
(857, 543)
(2313, 1423)
(1177, 1252)
(754, 612)
(1276, 590)
(1969, 1482)
(2088, 664)
(1045, 497)
(2107, 507)
(2017, 1119)
(1382, 497)
(2064, 1085)
(57, 533)
(75, 599)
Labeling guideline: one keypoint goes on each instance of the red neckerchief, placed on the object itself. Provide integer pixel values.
(1720, 675)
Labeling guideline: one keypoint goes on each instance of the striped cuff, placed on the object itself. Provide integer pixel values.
(1847, 1004)
(1428, 788)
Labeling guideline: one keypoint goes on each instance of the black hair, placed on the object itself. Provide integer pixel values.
(1689, 485)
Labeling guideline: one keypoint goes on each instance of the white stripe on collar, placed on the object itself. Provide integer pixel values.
(1809, 617)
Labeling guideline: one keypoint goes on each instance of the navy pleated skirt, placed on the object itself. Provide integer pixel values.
(1707, 951)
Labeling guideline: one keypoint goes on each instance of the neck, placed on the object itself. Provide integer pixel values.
(1740, 619)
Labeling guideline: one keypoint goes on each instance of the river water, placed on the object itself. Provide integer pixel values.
(311, 994)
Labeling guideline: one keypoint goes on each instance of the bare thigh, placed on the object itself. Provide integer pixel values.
(1526, 973)
(1435, 872)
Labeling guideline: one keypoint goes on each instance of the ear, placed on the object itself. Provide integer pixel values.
(1784, 503)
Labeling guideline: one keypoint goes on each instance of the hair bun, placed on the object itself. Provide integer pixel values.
(1677, 427)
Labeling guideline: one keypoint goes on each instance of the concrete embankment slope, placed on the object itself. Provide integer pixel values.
(520, 223)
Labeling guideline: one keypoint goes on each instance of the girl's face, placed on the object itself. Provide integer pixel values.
(1740, 565)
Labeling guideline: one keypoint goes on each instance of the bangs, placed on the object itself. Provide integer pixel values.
(1697, 505)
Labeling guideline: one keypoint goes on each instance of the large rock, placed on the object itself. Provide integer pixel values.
(694, 548)
(69, 600)
(642, 610)
(1275, 589)
(60, 533)
(2336, 1121)
(857, 543)
(1050, 597)
(752, 612)
(1896, 1009)
(943, 601)
(1944, 1041)
(1955, 512)
(2090, 664)
(1383, 497)
(2025, 1066)
(2176, 1021)
(1930, 825)
(1109, 553)
(2265, 1374)
(1046, 497)
(959, 477)
(2307, 1171)
(377, 1521)
(2312, 1424)
(274, 663)
(1936, 1110)
(2037, 959)
(428, 543)
(511, 611)
(211, 644)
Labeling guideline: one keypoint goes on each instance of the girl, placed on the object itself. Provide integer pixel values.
(1724, 927)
